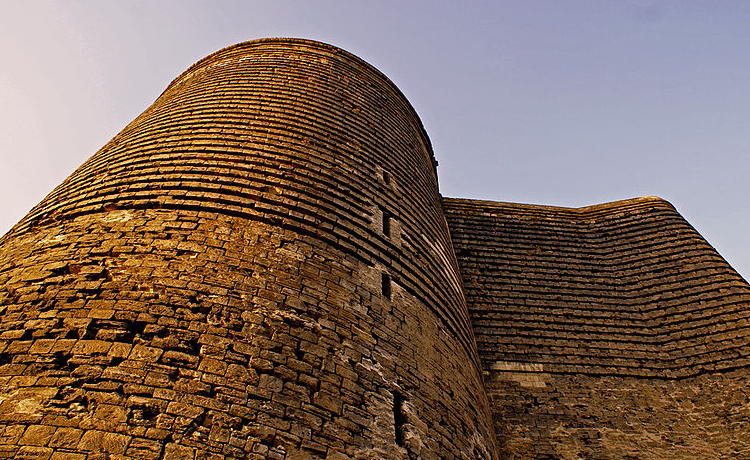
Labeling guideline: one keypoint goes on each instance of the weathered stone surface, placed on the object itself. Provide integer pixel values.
(37, 435)
(67, 438)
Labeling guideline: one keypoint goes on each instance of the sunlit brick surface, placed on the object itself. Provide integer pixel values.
(256, 267)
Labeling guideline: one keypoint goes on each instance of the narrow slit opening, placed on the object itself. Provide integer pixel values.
(386, 224)
(385, 286)
(398, 418)
(386, 177)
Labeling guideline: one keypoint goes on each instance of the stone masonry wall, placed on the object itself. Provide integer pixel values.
(572, 417)
(608, 332)
(257, 267)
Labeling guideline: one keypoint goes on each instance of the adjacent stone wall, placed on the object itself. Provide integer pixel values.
(257, 267)
(627, 288)
(613, 331)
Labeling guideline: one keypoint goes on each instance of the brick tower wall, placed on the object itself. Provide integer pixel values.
(256, 267)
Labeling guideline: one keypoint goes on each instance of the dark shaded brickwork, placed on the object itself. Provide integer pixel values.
(260, 266)
(569, 416)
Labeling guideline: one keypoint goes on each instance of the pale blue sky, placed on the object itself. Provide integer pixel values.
(566, 103)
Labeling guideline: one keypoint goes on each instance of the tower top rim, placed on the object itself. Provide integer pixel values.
(335, 50)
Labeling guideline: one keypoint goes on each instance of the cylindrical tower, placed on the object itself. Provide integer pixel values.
(258, 266)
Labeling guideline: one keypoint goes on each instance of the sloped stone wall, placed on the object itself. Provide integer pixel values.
(608, 332)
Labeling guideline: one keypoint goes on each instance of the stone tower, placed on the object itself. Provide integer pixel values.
(258, 266)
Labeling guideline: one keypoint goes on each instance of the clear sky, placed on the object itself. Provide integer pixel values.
(566, 103)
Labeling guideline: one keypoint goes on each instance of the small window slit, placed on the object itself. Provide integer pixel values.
(385, 285)
(386, 224)
(386, 177)
(398, 418)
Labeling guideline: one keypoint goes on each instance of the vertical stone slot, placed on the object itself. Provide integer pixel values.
(386, 223)
(385, 285)
(386, 177)
(398, 418)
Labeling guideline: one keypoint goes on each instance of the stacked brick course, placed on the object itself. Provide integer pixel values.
(260, 266)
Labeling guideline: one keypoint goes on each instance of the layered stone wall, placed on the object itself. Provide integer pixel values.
(612, 331)
(256, 267)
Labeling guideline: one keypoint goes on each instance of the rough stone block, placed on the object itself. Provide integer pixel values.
(174, 451)
(37, 435)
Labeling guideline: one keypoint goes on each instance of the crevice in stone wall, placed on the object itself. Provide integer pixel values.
(398, 418)
(386, 224)
(385, 285)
